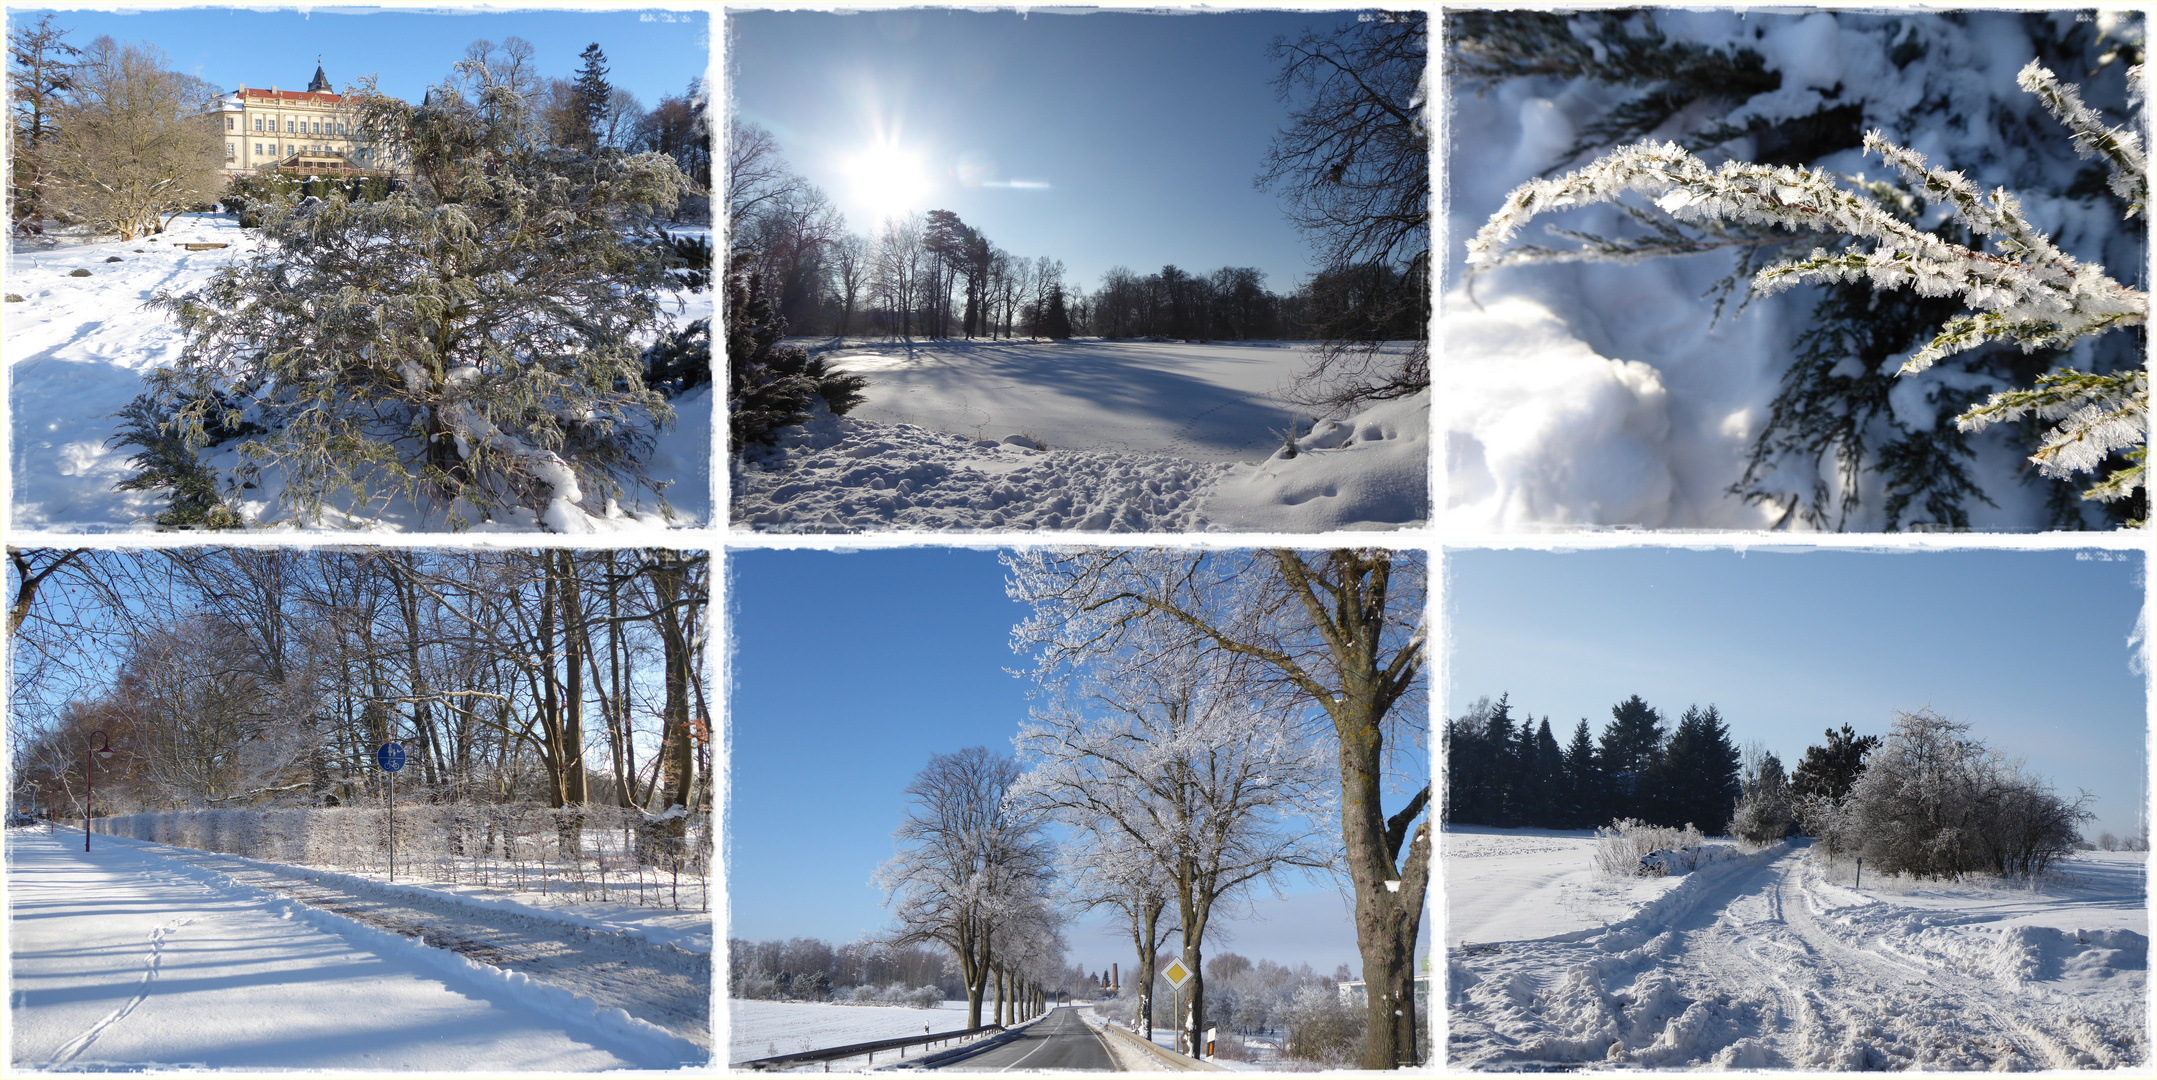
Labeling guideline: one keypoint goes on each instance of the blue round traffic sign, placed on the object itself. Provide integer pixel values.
(390, 756)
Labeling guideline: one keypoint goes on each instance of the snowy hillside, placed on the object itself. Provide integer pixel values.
(1774, 960)
(1608, 392)
(1093, 436)
(77, 349)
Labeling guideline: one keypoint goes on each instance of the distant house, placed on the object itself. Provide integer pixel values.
(298, 131)
(1352, 993)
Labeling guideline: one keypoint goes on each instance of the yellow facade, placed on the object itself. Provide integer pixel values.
(307, 129)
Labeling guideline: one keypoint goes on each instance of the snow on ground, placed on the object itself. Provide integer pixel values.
(124, 959)
(1774, 960)
(77, 349)
(1520, 884)
(1085, 435)
(760, 1029)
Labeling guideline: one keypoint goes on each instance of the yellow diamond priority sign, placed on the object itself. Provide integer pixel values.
(1176, 973)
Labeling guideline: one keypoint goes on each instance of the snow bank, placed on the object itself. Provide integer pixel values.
(1371, 471)
(839, 474)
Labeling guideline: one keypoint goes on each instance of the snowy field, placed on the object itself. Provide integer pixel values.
(1584, 395)
(1774, 960)
(123, 959)
(768, 1028)
(77, 349)
(1085, 435)
(1519, 884)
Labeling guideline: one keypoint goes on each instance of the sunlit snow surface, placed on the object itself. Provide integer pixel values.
(124, 960)
(758, 1029)
(1581, 395)
(1774, 960)
(1139, 437)
(77, 349)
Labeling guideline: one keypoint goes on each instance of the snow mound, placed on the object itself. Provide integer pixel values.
(1541, 430)
(1371, 471)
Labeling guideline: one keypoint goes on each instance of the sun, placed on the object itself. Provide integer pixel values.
(888, 180)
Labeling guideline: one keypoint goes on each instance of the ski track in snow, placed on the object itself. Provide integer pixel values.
(1767, 964)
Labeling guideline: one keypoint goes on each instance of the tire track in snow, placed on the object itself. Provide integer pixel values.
(1747, 973)
(75, 1046)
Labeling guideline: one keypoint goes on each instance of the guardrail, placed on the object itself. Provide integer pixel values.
(834, 1053)
(1168, 1057)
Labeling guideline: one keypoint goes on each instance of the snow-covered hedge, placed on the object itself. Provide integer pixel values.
(1625, 849)
(600, 852)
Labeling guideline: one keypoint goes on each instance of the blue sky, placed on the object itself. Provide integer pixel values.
(2030, 648)
(849, 671)
(1135, 135)
(650, 52)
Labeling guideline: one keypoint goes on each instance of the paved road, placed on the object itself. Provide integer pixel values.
(1059, 1040)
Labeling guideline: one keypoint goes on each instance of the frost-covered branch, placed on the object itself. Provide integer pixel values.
(2029, 292)
(2097, 416)
(2119, 147)
(2024, 289)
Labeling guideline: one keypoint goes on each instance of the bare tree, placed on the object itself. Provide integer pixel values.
(849, 274)
(1198, 773)
(1345, 628)
(969, 864)
(1354, 168)
(135, 147)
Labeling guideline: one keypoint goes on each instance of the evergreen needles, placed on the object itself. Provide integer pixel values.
(2022, 288)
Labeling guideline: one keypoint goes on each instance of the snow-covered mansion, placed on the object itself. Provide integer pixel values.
(301, 130)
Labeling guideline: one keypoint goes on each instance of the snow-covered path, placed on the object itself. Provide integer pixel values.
(1770, 965)
(123, 958)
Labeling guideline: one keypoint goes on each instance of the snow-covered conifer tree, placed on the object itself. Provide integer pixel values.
(474, 338)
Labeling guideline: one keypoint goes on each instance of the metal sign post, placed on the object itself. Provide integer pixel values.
(1178, 975)
(92, 753)
(390, 756)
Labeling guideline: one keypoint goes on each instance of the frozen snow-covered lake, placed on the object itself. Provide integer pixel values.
(1138, 437)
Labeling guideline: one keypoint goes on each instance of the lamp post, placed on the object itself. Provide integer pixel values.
(99, 749)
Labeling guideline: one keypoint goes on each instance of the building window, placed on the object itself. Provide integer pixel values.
(231, 151)
(288, 125)
(228, 123)
(258, 149)
(258, 123)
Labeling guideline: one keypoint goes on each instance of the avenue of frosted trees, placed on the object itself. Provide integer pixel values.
(547, 700)
(1210, 725)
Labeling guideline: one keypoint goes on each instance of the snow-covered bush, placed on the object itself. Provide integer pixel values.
(1323, 1028)
(1766, 811)
(1767, 94)
(1620, 848)
(1935, 803)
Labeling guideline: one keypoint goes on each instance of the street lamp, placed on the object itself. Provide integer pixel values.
(99, 750)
